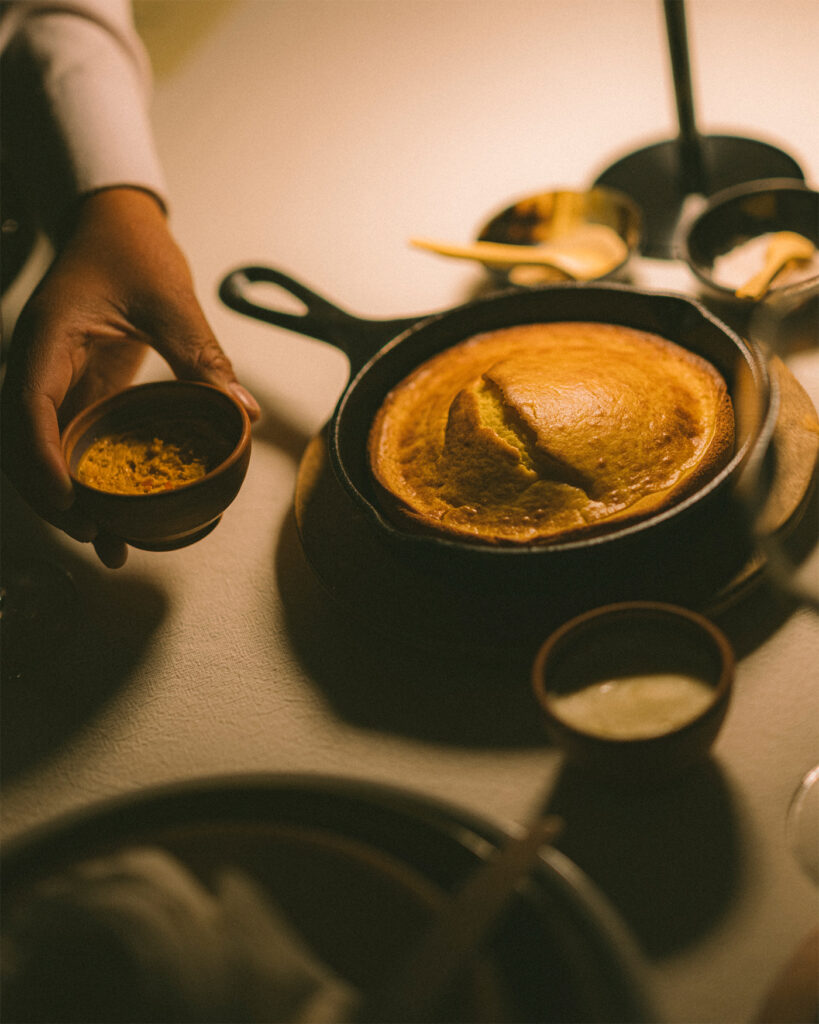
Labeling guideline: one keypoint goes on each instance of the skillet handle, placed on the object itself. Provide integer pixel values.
(358, 339)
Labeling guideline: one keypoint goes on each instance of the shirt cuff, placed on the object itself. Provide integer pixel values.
(93, 130)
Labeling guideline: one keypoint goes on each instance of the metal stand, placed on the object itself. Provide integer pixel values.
(660, 177)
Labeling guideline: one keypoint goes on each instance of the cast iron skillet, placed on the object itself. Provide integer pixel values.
(683, 554)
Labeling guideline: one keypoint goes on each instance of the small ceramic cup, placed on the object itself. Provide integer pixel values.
(635, 691)
(173, 518)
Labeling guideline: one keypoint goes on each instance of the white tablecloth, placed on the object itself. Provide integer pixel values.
(319, 135)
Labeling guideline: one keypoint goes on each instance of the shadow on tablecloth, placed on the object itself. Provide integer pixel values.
(668, 858)
(71, 634)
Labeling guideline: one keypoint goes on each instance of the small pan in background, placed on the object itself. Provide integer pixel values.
(544, 216)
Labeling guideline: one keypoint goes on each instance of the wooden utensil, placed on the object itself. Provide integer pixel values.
(784, 247)
(587, 251)
(412, 992)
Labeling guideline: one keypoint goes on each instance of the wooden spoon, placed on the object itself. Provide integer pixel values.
(784, 247)
(411, 993)
(588, 251)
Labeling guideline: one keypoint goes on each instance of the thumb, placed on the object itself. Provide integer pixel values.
(197, 355)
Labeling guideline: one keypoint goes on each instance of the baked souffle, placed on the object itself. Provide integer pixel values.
(547, 432)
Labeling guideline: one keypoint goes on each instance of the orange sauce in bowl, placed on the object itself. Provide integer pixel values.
(151, 458)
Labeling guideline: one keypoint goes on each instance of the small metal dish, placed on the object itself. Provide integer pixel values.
(654, 684)
(545, 215)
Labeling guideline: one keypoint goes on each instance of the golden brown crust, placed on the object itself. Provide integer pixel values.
(544, 432)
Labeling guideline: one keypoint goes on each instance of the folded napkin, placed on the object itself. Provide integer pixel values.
(136, 936)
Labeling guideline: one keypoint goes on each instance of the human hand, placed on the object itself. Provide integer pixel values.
(119, 285)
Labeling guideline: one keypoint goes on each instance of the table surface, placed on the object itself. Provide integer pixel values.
(318, 136)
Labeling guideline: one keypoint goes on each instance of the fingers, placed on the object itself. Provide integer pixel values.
(41, 479)
(197, 355)
(39, 372)
(111, 551)
(48, 353)
(151, 285)
(33, 463)
(31, 452)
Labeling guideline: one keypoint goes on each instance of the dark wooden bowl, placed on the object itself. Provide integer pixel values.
(627, 639)
(170, 519)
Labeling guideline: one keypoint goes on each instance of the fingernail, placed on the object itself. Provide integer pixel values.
(248, 401)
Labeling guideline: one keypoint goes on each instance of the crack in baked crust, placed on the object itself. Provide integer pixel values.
(509, 423)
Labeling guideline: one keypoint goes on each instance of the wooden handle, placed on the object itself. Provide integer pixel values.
(413, 991)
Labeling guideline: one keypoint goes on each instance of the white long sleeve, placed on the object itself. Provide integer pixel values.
(76, 91)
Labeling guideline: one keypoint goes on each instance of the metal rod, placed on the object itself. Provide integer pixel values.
(691, 163)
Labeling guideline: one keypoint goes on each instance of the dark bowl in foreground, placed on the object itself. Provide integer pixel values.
(164, 520)
(360, 870)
